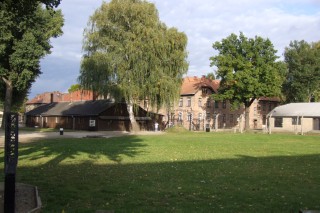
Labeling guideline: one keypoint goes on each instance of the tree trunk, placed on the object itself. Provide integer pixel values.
(8, 100)
(134, 124)
(247, 105)
(247, 118)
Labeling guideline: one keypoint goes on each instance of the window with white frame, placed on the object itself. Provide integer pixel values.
(180, 116)
(208, 116)
(181, 102)
(189, 102)
(189, 118)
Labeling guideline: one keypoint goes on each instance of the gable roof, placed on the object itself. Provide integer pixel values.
(191, 85)
(79, 108)
(297, 109)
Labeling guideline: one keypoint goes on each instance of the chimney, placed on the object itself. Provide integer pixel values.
(51, 97)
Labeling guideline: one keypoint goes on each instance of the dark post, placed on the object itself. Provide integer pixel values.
(11, 160)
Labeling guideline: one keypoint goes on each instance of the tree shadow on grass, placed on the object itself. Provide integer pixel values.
(243, 184)
(57, 150)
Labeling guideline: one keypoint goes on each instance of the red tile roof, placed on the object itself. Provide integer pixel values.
(191, 85)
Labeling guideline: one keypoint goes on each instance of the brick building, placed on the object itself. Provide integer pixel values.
(197, 110)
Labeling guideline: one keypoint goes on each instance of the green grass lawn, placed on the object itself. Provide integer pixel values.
(181, 172)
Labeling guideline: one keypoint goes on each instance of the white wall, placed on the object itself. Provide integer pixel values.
(306, 125)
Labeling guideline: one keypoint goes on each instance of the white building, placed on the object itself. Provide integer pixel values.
(295, 117)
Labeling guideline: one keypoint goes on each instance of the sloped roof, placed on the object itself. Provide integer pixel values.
(297, 109)
(191, 85)
(80, 108)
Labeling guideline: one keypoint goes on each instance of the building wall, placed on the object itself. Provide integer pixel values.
(115, 118)
(204, 110)
(307, 124)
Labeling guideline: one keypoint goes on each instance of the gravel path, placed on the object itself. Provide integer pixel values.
(29, 136)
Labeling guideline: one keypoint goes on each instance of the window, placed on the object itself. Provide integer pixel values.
(224, 104)
(224, 118)
(278, 122)
(190, 116)
(231, 118)
(264, 118)
(264, 107)
(204, 91)
(189, 102)
(208, 102)
(208, 116)
(216, 104)
(181, 102)
(296, 121)
(200, 102)
(180, 116)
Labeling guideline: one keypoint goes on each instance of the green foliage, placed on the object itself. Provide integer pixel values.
(247, 68)
(211, 76)
(132, 55)
(26, 28)
(181, 172)
(74, 87)
(303, 77)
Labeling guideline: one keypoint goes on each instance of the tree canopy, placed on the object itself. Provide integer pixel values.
(74, 87)
(248, 70)
(26, 28)
(132, 55)
(303, 77)
(211, 76)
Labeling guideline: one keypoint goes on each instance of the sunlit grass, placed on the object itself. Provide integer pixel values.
(175, 172)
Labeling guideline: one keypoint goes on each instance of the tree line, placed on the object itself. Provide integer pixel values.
(130, 54)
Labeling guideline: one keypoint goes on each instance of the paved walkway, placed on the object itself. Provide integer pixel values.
(30, 136)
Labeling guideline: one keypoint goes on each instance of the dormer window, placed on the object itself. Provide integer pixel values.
(204, 91)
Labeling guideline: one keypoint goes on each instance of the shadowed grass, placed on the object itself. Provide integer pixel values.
(181, 172)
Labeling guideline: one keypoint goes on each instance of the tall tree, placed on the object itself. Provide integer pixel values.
(74, 87)
(26, 28)
(303, 77)
(211, 76)
(248, 70)
(131, 55)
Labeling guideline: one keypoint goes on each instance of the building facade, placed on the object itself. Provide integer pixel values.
(197, 110)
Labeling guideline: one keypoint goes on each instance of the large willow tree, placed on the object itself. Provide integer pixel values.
(131, 55)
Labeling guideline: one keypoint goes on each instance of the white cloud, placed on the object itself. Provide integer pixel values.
(204, 22)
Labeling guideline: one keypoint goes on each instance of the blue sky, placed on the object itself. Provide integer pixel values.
(204, 22)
